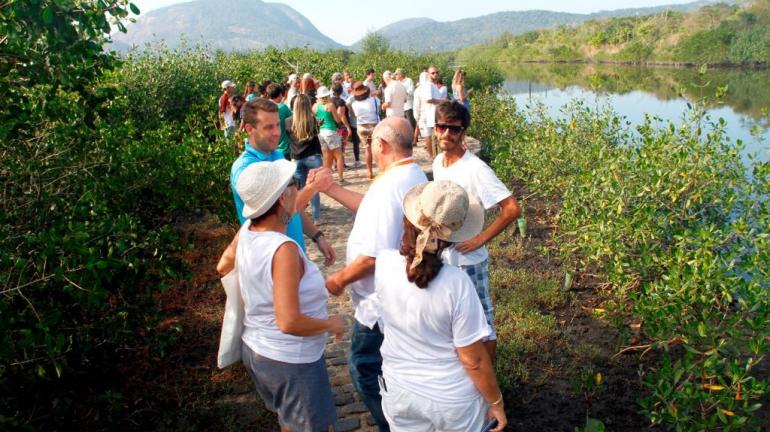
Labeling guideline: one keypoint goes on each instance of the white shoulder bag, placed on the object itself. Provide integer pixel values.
(232, 324)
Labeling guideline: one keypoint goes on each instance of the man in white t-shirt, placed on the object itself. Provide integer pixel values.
(477, 178)
(395, 96)
(409, 87)
(426, 97)
(378, 226)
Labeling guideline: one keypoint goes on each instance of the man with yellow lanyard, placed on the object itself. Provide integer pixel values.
(378, 226)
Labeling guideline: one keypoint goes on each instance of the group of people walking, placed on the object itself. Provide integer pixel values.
(423, 339)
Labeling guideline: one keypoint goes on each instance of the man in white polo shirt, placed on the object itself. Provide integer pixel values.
(395, 96)
(378, 226)
(477, 178)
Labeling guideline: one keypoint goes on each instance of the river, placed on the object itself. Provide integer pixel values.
(635, 91)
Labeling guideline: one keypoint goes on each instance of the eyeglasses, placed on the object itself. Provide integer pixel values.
(442, 127)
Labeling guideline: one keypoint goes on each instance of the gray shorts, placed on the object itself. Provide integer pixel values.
(299, 393)
(329, 140)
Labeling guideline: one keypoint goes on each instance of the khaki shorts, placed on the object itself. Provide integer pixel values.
(365, 133)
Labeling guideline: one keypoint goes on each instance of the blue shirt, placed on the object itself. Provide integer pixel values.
(249, 156)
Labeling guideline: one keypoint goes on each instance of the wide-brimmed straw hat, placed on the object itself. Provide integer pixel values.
(359, 88)
(446, 206)
(261, 184)
(323, 92)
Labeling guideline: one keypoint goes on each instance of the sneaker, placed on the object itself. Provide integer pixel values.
(357, 164)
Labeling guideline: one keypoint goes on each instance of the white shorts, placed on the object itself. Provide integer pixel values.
(330, 140)
(406, 411)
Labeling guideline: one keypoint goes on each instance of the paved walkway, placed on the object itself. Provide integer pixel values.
(351, 411)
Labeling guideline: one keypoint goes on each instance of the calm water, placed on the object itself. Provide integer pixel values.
(665, 92)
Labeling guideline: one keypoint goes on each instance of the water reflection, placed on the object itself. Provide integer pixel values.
(665, 92)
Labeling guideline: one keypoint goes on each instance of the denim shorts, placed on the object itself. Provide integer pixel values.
(479, 274)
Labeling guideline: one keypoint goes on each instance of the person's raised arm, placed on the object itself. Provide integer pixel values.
(321, 179)
(478, 366)
(227, 261)
(287, 270)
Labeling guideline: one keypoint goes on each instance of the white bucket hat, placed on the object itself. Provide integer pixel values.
(227, 83)
(323, 92)
(442, 210)
(261, 184)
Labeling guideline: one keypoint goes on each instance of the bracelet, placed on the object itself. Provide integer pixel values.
(315, 236)
(499, 401)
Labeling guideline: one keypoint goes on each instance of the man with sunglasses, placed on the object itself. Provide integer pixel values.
(459, 165)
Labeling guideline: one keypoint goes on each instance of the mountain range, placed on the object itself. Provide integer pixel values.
(230, 25)
(241, 25)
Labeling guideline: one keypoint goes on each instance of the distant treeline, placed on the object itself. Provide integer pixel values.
(717, 34)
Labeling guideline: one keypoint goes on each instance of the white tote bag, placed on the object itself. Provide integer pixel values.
(232, 324)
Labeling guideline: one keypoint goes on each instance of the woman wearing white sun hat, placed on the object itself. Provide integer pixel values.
(437, 374)
(286, 322)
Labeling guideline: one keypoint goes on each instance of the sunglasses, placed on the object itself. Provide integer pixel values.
(293, 182)
(441, 128)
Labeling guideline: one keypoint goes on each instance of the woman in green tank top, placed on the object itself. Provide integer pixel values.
(328, 118)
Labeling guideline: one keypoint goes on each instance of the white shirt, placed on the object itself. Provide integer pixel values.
(427, 114)
(409, 86)
(229, 116)
(443, 92)
(345, 90)
(352, 119)
(254, 259)
(423, 327)
(367, 111)
(372, 86)
(395, 95)
(478, 179)
(379, 226)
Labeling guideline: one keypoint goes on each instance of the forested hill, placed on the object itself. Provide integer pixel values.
(715, 34)
(424, 34)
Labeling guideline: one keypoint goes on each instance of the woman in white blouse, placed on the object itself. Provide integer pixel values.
(437, 376)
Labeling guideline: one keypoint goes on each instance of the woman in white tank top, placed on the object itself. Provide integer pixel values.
(285, 324)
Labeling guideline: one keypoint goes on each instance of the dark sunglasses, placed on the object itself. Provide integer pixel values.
(441, 128)
(293, 182)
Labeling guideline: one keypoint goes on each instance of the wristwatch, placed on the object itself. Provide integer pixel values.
(316, 236)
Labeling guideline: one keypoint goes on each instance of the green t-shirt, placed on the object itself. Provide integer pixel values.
(285, 144)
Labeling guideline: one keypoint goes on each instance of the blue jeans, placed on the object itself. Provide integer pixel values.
(365, 363)
(303, 168)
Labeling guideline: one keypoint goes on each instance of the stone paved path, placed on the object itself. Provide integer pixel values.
(351, 411)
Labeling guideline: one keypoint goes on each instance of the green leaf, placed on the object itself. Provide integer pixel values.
(594, 425)
(48, 16)
(134, 8)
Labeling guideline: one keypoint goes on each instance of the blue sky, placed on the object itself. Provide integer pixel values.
(348, 21)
